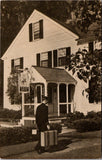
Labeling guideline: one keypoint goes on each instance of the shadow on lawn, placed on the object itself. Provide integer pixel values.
(62, 144)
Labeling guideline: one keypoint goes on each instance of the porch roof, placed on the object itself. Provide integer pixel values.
(55, 74)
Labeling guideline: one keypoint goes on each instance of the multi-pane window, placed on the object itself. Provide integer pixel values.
(44, 59)
(55, 58)
(36, 30)
(62, 56)
(16, 64)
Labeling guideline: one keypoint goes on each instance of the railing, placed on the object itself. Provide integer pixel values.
(64, 108)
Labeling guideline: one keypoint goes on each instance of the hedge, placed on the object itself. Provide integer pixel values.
(56, 126)
(90, 122)
(10, 114)
(10, 136)
(75, 116)
(93, 114)
(85, 125)
(17, 135)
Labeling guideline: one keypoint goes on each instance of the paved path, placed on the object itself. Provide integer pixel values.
(90, 152)
(70, 145)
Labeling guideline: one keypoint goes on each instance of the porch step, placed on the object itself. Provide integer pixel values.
(56, 120)
(64, 127)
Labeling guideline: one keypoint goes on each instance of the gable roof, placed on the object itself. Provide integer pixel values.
(68, 26)
(55, 74)
(57, 22)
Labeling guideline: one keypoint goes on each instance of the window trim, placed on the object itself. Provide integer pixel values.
(38, 32)
(52, 51)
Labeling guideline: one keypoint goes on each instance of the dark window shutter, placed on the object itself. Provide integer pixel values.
(68, 54)
(21, 63)
(92, 83)
(50, 59)
(12, 65)
(91, 47)
(41, 29)
(30, 32)
(38, 59)
(55, 58)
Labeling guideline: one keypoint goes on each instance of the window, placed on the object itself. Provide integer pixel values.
(44, 59)
(62, 57)
(16, 64)
(36, 30)
(62, 93)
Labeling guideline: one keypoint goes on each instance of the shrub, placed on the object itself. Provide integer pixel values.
(99, 114)
(93, 114)
(56, 126)
(75, 116)
(85, 125)
(10, 114)
(16, 135)
(72, 117)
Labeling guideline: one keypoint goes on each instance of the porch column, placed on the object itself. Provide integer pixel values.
(46, 84)
(23, 109)
(67, 96)
(58, 99)
(35, 99)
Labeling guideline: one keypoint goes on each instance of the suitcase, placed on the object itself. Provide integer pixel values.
(48, 138)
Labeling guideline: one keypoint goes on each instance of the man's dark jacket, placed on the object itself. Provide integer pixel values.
(42, 117)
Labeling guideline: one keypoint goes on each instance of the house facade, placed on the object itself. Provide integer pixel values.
(41, 50)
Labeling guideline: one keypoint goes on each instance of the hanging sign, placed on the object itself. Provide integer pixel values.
(24, 81)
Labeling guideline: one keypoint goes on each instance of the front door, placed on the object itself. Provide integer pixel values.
(52, 96)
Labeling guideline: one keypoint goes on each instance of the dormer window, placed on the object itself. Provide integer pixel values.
(36, 30)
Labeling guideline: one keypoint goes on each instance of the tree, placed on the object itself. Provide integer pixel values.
(87, 12)
(13, 91)
(87, 67)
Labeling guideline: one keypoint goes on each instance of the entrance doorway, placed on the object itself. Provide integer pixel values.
(52, 99)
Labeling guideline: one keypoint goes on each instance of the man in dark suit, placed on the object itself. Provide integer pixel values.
(42, 120)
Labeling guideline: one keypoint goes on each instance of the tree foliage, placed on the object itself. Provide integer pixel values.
(15, 13)
(13, 90)
(87, 12)
(87, 67)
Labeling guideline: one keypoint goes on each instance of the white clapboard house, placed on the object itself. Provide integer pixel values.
(41, 50)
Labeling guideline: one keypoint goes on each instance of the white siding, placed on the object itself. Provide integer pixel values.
(55, 37)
